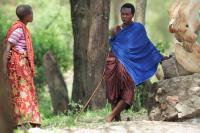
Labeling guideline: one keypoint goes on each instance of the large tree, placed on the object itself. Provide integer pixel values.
(90, 29)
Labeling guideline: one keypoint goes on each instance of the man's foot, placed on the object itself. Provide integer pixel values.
(118, 117)
(109, 118)
(116, 110)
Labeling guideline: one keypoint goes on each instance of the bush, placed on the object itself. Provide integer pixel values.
(44, 41)
(160, 47)
(140, 97)
(4, 25)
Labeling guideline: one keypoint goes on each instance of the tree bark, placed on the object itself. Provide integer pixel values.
(56, 84)
(116, 5)
(90, 29)
(140, 11)
(140, 17)
(5, 121)
(12, 2)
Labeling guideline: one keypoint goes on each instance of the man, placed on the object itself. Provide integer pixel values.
(132, 60)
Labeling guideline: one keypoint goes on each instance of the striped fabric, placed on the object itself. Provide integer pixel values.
(17, 38)
(119, 85)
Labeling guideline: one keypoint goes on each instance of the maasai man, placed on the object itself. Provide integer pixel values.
(19, 67)
(132, 60)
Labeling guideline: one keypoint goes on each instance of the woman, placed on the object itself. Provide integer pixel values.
(19, 67)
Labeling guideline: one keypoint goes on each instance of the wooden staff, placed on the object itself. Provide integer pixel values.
(96, 89)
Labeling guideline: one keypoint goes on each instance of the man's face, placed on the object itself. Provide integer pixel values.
(126, 15)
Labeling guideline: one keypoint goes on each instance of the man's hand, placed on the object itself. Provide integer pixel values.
(115, 30)
(165, 58)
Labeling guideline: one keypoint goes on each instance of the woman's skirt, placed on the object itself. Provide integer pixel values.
(22, 90)
(119, 85)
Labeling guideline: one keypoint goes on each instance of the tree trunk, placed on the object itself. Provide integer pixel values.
(12, 2)
(5, 121)
(140, 11)
(140, 17)
(90, 29)
(56, 84)
(116, 5)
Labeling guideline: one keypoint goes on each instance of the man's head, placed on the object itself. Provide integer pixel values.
(127, 13)
(24, 12)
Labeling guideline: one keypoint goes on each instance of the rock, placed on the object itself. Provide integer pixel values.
(172, 69)
(172, 99)
(193, 120)
(175, 99)
(56, 84)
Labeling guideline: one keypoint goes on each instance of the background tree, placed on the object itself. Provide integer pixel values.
(115, 11)
(140, 10)
(5, 122)
(90, 29)
(142, 90)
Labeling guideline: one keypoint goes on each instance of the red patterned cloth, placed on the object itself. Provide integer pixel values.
(22, 89)
(119, 85)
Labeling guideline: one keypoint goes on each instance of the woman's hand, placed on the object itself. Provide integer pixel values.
(6, 55)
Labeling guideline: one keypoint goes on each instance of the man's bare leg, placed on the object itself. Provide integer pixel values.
(117, 117)
(121, 105)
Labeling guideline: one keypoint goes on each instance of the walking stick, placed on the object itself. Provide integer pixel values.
(96, 89)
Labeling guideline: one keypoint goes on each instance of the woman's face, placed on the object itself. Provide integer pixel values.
(29, 17)
(126, 15)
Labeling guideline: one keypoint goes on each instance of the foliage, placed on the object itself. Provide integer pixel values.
(51, 31)
(198, 40)
(90, 118)
(160, 47)
(4, 24)
(157, 21)
(140, 97)
(74, 108)
(44, 41)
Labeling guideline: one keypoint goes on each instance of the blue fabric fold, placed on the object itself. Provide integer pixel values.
(133, 49)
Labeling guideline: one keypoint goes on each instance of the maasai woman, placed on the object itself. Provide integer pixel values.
(132, 60)
(19, 66)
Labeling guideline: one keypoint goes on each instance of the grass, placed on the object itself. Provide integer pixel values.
(89, 119)
(93, 118)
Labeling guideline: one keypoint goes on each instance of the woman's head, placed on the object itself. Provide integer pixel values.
(127, 13)
(24, 12)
